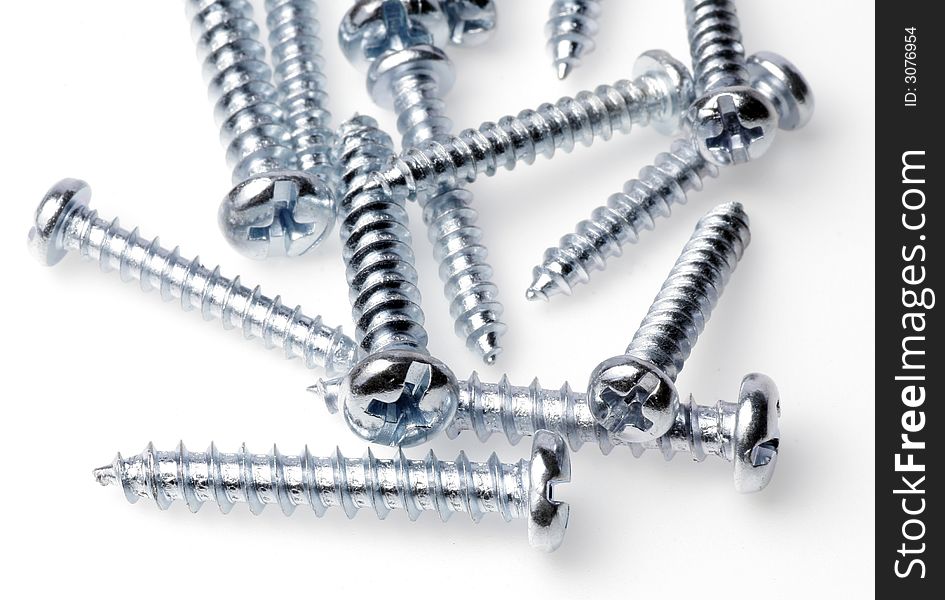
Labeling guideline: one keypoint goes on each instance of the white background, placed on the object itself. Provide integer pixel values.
(110, 92)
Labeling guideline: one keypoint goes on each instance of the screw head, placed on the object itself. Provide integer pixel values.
(282, 213)
(385, 70)
(784, 86)
(471, 22)
(373, 28)
(733, 125)
(632, 398)
(678, 87)
(550, 465)
(756, 437)
(45, 237)
(398, 398)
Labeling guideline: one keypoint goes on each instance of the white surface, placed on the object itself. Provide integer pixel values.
(111, 92)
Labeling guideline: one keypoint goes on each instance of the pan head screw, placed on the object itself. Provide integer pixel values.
(733, 125)
(547, 518)
(784, 86)
(282, 213)
(756, 436)
(632, 398)
(373, 28)
(46, 237)
(398, 397)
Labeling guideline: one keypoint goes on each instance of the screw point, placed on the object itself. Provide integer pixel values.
(564, 69)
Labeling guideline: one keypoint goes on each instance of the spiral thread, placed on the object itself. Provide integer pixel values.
(465, 271)
(247, 105)
(376, 242)
(298, 64)
(379, 484)
(215, 296)
(418, 102)
(521, 411)
(715, 42)
(682, 307)
(451, 219)
(571, 27)
(583, 119)
(627, 214)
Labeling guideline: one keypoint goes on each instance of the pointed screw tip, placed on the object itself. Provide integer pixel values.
(564, 69)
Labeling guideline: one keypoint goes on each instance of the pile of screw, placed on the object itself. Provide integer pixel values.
(295, 175)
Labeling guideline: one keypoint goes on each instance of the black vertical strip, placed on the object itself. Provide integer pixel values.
(910, 55)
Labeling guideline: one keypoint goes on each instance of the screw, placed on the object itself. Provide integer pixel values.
(296, 46)
(64, 222)
(634, 395)
(659, 95)
(731, 122)
(744, 433)
(571, 27)
(661, 185)
(274, 209)
(408, 72)
(399, 394)
(514, 490)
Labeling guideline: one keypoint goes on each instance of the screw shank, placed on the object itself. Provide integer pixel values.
(678, 315)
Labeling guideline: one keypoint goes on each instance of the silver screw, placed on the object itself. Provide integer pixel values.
(275, 209)
(744, 432)
(731, 122)
(521, 490)
(296, 46)
(571, 27)
(661, 185)
(658, 95)
(634, 395)
(398, 395)
(409, 72)
(65, 223)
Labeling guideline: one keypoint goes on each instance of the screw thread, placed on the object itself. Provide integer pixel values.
(715, 42)
(571, 27)
(661, 185)
(450, 217)
(521, 411)
(418, 102)
(679, 313)
(204, 289)
(376, 245)
(465, 271)
(382, 485)
(239, 78)
(296, 46)
(584, 118)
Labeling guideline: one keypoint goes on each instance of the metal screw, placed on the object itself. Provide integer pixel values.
(634, 395)
(571, 27)
(64, 222)
(731, 122)
(275, 209)
(398, 395)
(659, 95)
(522, 490)
(744, 432)
(296, 46)
(661, 185)
(408, 72)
